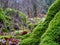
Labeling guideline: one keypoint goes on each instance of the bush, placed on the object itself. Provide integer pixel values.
(52, 34)
(41, 28)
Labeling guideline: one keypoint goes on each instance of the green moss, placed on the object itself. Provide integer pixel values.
(25, 36)
(22, 37)
(1, 37)
(2, 15)
(52, 33)
(41, 28)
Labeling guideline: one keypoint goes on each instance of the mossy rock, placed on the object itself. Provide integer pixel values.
(52, 34)
(41, 28)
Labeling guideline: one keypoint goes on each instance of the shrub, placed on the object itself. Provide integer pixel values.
(41, 28)
(52, 33)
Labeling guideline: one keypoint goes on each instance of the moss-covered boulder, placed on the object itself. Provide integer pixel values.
(34, 39)
(52, 34)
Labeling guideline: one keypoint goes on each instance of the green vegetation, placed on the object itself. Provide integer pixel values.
(23, 17)
(1, 37)
(22, 37)
(41, 28)
(10, 12)
(43, 32)
(14, 17)
(2, 15)
(52, 34)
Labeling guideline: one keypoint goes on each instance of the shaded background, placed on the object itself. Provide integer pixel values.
(32, 8)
